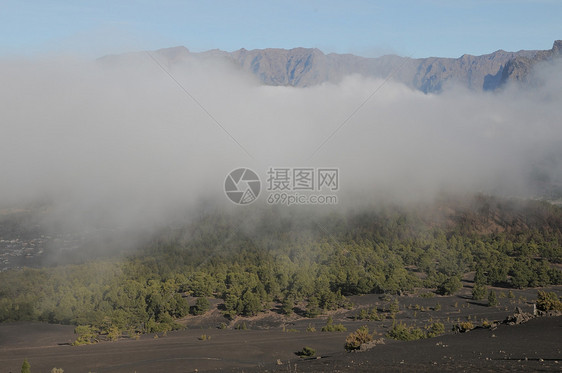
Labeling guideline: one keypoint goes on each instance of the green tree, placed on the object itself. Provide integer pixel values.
(178, 306)
(479, 291)
(287, 306)
(201, 306)
(313, 308)
(492, 299)
(480, 276)
(201, 284)
(251, 304)
(374, 315)
(394, 308)
(233, 304)
(25, 367)
(449, 286)
(521, 274)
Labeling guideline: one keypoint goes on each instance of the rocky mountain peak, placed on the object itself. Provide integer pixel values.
(557, 47)
(301, 67)
(519, 68)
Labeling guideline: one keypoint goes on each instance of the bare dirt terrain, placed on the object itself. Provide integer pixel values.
(272, 337)
(534, 346)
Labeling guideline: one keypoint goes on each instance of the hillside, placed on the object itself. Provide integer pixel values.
(259, 256)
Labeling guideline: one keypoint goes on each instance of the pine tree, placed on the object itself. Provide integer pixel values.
(478, 291)
(25, 367)
(480, 277)
(492, 299)
(394, 308)
(202, 305)
(287, 306)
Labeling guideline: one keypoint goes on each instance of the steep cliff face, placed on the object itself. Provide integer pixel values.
(520, 67)
(280, 66)
(305, 67)
(474, 72)
(302, 67)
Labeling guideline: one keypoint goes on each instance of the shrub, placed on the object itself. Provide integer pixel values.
(486, 324)
(362, 315)
(306, 352)
(153, 326)
(403, 332)
(372, 315)
(449, 286)
(113, 333)
(386, 297)
(427, 295)
(86, 335)
(463, 327)
(435, 329)
(310, 328)
(548, 301)
(331, 327)
(289, 330)
(394, 308)
(357, 338)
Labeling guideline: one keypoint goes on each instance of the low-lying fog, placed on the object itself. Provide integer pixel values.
(121, 143)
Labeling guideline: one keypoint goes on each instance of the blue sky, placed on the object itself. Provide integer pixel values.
(445, 28)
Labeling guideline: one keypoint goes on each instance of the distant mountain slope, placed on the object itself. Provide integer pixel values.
(518, 68)
(301, 67)
(304, 67)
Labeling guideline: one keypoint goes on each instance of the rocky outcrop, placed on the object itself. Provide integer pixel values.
(520, 317)
(519, 68)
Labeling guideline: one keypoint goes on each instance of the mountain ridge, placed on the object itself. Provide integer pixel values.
(519, 68)
(303, 67)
